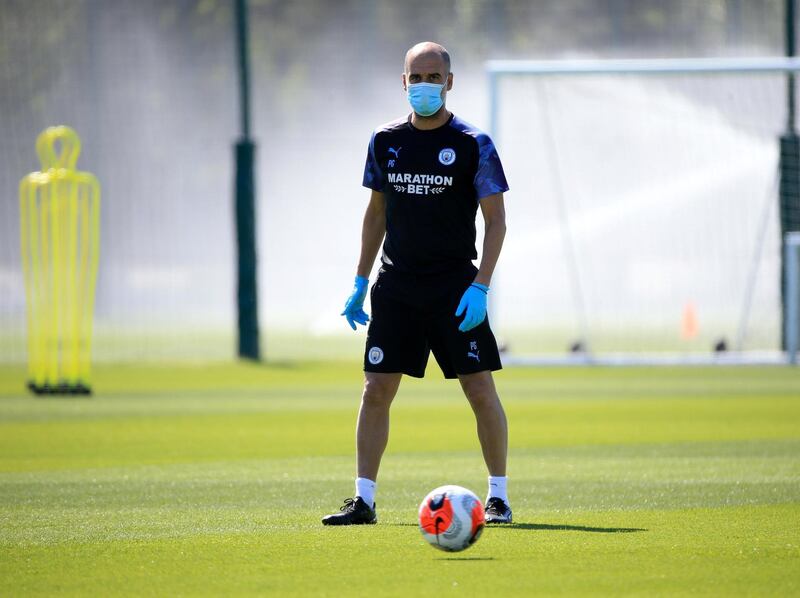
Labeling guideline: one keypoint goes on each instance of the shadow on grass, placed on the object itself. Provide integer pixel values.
(544, 527)
(570, 528)
(465, 558)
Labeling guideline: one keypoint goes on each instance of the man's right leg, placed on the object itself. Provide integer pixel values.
(372, 431)
(372, 436)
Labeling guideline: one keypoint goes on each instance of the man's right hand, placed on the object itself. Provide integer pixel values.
(354, 308)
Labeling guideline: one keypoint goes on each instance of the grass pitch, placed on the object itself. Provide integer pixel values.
(212, 480)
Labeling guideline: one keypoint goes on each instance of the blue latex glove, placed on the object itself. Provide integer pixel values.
(474, 303)
(354, 308)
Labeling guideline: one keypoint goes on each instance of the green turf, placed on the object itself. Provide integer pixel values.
(212, 480)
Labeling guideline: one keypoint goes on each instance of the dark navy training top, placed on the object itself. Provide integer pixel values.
(433, 181)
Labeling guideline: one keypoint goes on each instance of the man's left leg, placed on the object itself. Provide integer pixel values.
(490, 417)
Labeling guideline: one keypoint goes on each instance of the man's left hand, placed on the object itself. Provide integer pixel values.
(473, 302)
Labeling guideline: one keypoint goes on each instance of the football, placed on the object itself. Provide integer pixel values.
(451, 518)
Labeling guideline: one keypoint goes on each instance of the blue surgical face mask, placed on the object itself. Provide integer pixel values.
(425, 98)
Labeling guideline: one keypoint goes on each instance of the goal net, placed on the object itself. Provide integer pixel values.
(643, 217)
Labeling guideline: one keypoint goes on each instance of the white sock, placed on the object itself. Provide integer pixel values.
(497, 487)
(366, 489)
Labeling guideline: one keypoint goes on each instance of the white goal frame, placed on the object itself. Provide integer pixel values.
(496, 70)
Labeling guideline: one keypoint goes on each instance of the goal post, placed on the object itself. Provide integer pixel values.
(792, 276)
(644, 223)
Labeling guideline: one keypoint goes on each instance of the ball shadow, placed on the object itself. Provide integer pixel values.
(465, 558)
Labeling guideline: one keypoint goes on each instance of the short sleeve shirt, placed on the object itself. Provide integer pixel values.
(433, 181)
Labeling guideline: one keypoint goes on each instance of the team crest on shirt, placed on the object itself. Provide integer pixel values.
(447, 156)
(375, 355)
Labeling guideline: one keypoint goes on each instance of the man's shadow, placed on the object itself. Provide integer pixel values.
(570, 528)
(554, 528)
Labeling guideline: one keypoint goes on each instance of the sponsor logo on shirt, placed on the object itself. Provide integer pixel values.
(420, 184)
(473, 351)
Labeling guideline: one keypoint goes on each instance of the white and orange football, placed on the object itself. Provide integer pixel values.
(451, 518)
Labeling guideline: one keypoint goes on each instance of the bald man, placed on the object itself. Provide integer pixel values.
(428, 173)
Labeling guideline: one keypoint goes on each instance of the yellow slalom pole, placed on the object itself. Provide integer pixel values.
(46, 281)
(73, 302)
(54, 307)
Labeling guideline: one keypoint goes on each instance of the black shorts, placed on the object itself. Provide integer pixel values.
(414, 315)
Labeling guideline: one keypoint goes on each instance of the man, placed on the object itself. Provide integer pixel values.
(428, 174)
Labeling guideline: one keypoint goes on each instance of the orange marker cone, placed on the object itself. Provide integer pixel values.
(689, 326)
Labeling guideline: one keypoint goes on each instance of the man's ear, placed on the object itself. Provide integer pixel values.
(405, 86)
(449, 81)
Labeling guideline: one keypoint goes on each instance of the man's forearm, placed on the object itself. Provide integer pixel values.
(373, 230)
(372, 234)
(493, 238)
